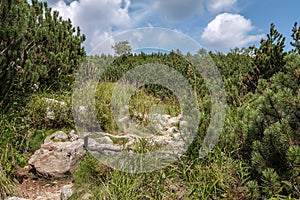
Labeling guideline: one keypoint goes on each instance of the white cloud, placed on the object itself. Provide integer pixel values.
(228, 31)
(220, 5)
(96, 18)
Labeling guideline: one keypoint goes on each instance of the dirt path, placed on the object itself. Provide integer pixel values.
(38, 189)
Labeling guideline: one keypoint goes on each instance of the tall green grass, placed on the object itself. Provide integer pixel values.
(140, 102)
(12, 141)
(217, 176)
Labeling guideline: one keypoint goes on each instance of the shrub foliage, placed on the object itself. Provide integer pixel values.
(38, 49)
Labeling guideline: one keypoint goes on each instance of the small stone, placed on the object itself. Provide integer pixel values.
(57, 136)
(183, 123)
(50, 114)
(104, 140)
(66, 192)
(73, 136)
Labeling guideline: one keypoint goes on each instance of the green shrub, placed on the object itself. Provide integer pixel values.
(270, 120)
(270, 183)
(253, 191)
(36, 139)
(40, 50)
(46, 111)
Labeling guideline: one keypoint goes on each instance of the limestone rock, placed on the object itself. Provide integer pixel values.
(109, 148)
(50, 114)
(104, 140)
(66, 192)
(57, 159)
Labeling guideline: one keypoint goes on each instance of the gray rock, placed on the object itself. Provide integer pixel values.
(50, 114)
(102, 148)
(95, 146)
(183, 124)
(73, 136)
(57, 159)
(57, 136)
(66, 192)
(104, 140)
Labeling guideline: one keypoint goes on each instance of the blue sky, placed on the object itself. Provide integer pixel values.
(217, 25)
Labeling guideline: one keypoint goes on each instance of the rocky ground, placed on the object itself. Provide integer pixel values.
(60, 154)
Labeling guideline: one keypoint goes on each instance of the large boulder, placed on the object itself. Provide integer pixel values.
(57, 159)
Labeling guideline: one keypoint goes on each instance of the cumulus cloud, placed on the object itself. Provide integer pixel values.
(97, 19)
(220, 5)
(228, 31)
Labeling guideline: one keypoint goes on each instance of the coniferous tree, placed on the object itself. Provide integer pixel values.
(296, 37)
(37, 49)
(269, 57)
(271, 120)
